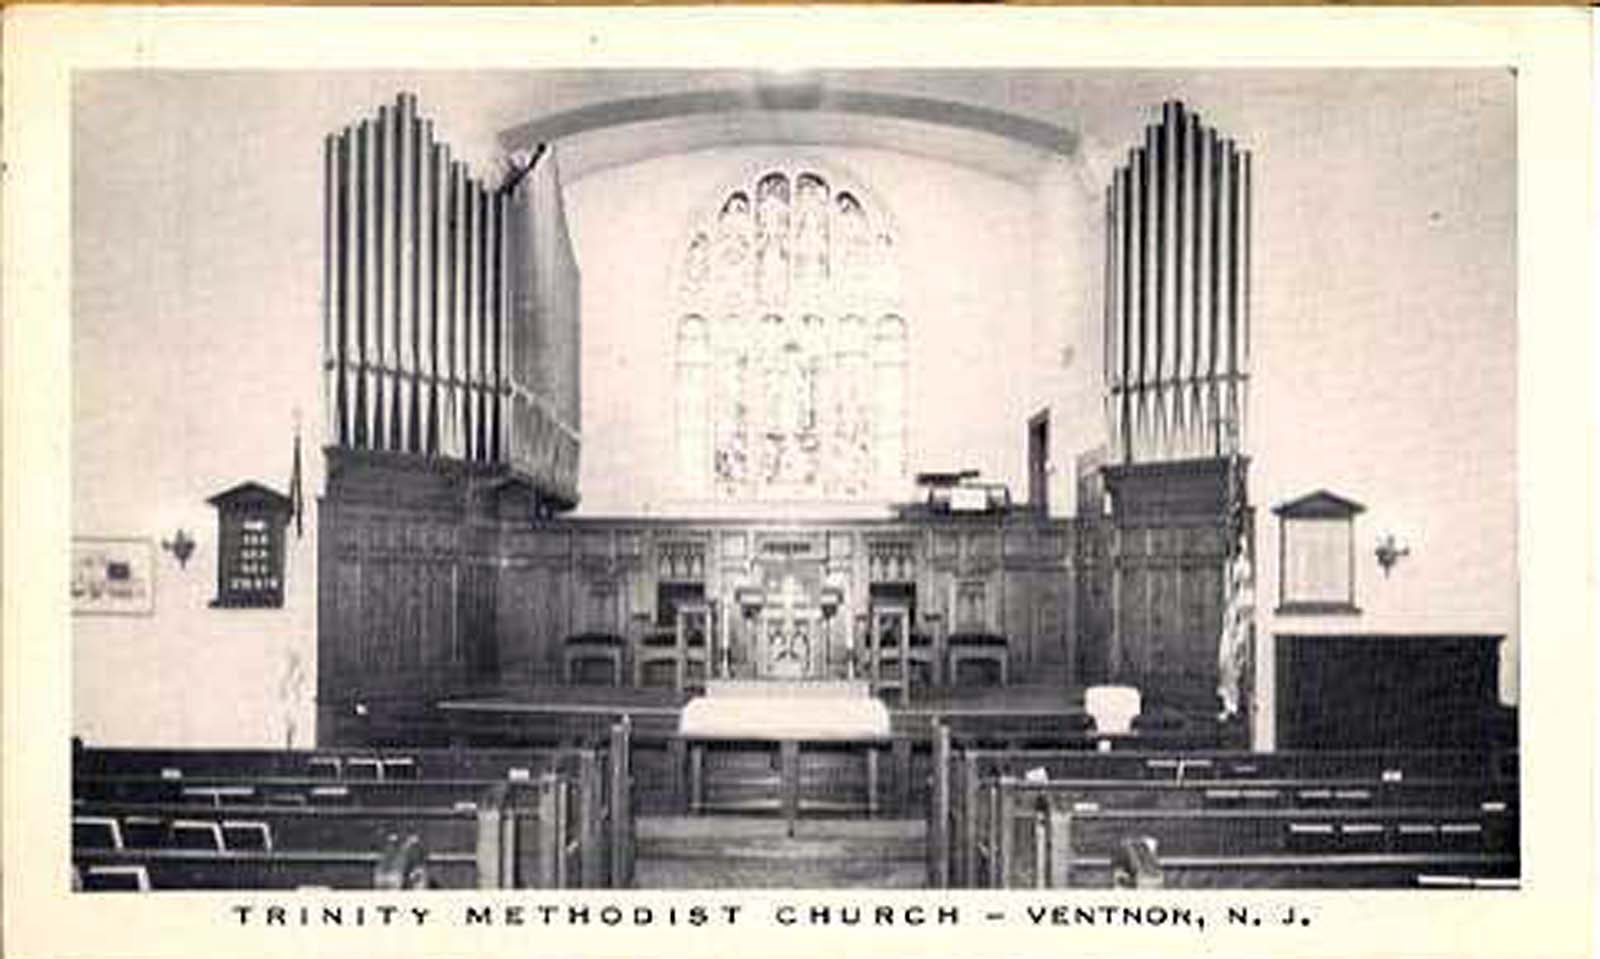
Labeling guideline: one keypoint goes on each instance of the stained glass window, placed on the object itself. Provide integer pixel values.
(791, 346)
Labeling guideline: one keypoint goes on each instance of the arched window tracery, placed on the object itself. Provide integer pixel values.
(796, 389)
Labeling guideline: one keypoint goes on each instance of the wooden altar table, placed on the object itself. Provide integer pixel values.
(790, 715)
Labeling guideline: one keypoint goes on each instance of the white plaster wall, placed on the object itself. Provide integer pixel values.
(1069, 326)
(197, 337)
(1385, 348)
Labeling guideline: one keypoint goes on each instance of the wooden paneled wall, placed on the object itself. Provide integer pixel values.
(419, 325)
(1177, 323)
(1168, 593)
(1164, 550)
(433, 581)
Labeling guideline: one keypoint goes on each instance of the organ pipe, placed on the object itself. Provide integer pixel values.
(421, 310)
(1177, 317)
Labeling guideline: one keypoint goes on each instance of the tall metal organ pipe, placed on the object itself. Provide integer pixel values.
(414, 274)
(438, 290)
(1177, 314)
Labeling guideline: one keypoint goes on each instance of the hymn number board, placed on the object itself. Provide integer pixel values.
(250, 546)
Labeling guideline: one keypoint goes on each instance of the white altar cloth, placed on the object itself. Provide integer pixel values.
(776, 710)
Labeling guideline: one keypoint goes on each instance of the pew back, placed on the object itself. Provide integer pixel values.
(510, 837)
(1035, 835)
(541, 817)
(962, 813)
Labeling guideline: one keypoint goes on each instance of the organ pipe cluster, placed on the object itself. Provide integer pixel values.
(418, 324)
(1178, 294)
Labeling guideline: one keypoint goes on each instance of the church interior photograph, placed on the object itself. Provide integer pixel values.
(856, 479)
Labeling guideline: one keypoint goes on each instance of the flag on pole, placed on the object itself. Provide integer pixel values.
(296, 494)
(1239, 609)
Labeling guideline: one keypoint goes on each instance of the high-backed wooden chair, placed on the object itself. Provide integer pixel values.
(608, 649)
(986, 649)
(685, 648)
(888, 647)
(655, 649)
(927, 650)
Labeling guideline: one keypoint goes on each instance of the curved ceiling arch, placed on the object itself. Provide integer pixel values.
(617, 131)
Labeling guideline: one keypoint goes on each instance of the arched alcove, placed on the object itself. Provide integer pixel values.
(796, 390)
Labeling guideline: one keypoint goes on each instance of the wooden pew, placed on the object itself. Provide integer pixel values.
(567, 810)
(1196, 780)
(980, 830)
(601, 808)
(282, 828)
(514, 837)
(336, 764)
(1215, 780)
(1071, 731)
(592, 797)
(1340, 871)
(978, 763)
(1042, 838)
(205, 869)
(968, 817)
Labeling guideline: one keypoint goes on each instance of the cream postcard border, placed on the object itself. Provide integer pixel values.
(1549, 49)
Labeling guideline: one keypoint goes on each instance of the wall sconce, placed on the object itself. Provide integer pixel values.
(1389, 551)
(181, 546)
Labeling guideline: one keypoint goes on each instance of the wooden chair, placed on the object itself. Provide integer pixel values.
(685, 648)
(607, 649)
(927, 648)
(695, 640)
(654, 647)
(888, 649)
(988, 649)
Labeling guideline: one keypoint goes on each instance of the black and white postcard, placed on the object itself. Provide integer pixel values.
(869, 481)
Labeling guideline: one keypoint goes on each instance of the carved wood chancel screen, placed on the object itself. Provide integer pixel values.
(791, 345)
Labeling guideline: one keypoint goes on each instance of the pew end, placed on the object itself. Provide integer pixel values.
(402, 865)
(1136, 865)
(116, 879)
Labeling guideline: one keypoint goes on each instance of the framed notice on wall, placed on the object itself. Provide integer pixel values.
(113, 577)
(250, 523)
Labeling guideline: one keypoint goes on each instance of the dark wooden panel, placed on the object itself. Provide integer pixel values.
(1355, 691)
(521, 644)
(434, 585)
(1133, 623)
(476, 608)
(1166, 585)
(440, 636)
(1092, 575)
(1016, 607)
